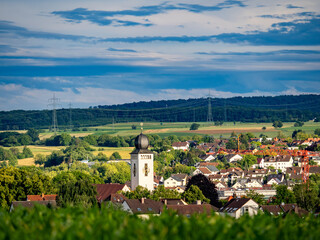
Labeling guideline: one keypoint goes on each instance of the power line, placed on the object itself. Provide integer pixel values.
(209, 117)
(54, 103)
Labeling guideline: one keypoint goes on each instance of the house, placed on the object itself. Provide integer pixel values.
(207, 158)
(190, 209)
(237, 207)
(179, 189)
(202, 170)
(220, 185)
(253, 183)
(233, 157)
(281, 162)
(176, 180)
(173, 202)
(42, 197)
(277, 210)
(143, 207)
(31, 204)
(217, 177)
(105, 190)
(180, 146)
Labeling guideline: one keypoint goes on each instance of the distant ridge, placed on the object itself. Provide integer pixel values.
(245, 109)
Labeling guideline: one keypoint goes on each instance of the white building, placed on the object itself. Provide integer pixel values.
(176, 180)
(239, 206)
(142, 164)
(180, 146)
(278, 162)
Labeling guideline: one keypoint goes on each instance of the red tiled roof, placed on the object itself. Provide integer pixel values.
(192, 208)
(105, 190)
(204, 170)
(142, 206)
(42, 197)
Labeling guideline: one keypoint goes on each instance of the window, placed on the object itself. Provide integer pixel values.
(146, 169)
(139, 209)
(134, 169)
(149, 209)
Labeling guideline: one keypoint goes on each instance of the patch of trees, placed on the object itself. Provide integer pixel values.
(244, 109)
(13, 139)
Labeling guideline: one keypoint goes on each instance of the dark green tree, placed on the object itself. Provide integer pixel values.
(78, 193)
(207, 188)
(307, 197)
(284, 195)
(193, 194)
(194, 126)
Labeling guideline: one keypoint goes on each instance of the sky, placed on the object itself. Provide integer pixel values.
(103, 52)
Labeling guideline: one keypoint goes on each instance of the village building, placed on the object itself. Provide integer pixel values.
(237, 207)
(181, 146)
(142, 164)
(176, 180)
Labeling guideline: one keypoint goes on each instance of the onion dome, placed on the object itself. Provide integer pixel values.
(141, 142)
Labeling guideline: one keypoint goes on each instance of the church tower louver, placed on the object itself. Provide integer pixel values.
(142, 164)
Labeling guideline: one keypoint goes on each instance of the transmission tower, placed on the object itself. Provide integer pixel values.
(209, 117)
(70, 116)
(225, 111)
(54, 103)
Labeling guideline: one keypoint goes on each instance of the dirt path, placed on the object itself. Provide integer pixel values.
(229, 130)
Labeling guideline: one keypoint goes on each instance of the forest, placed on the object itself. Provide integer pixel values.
(243, 109)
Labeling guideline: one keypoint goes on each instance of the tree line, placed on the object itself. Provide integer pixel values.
(244, 109)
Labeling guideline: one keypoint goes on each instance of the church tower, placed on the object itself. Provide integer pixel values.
(142, 164)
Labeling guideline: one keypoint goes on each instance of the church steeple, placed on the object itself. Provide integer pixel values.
(142, 164)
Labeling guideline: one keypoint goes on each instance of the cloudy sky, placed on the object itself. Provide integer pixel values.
(102, 52)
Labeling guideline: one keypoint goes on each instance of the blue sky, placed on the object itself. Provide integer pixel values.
(111, 52)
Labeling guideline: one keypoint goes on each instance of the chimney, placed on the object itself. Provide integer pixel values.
(142, 200)
(165, 202)
(42, 195)
(198, 202)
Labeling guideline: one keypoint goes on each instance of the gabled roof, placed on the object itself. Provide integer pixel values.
(179, 177)
(117, 198)
(105, 190)
(234, 204)
(144, 206)
(192, 208)
(204, 170)
(30, 204)
(42, 197)
(180, 144)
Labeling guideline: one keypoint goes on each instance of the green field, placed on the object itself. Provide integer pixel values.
(182, 129)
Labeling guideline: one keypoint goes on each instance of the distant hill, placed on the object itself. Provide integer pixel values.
(245, 109)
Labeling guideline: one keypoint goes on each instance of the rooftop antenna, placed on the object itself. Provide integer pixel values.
(54, 103)
(141, 126)
(209, 117)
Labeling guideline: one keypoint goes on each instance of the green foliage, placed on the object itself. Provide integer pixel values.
(298, 124)
(317, 132)
(78, 193)
(277, 124)
(247, 161)
(307, 196)
(161, 192)
(115, 155)
(208, 188)
(108, 223)
(113, 172)
(138, 193)
(34, 134)
(54, 159)
(27, 152)
(194, 126)
(258, 198)
(16, 184)
(284, 195)
(40, 159)
(193, 194)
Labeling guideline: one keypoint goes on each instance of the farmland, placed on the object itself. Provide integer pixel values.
(164, 130)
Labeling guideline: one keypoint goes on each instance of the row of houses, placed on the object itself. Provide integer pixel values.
(235, 207)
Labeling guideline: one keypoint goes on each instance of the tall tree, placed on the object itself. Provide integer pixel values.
(206, 186)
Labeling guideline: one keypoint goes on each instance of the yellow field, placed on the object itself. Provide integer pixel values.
(46, 135)
(123, 151)
(26, 162)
